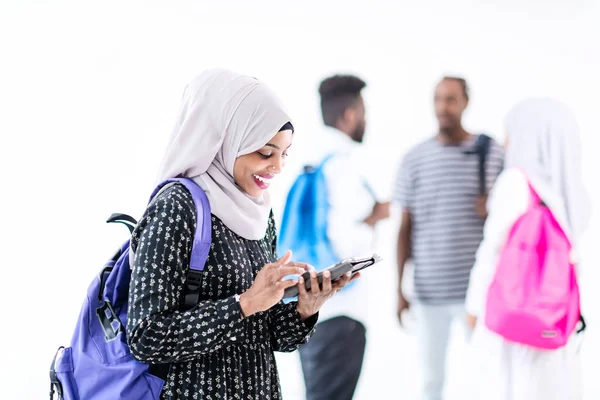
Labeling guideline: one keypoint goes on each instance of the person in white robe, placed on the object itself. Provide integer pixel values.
(542, 145)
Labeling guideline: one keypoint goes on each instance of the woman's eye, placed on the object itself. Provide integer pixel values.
(265, 156)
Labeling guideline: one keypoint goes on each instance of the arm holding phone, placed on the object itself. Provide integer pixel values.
(292, 324)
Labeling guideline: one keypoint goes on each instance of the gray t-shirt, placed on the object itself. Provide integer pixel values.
(439, 185)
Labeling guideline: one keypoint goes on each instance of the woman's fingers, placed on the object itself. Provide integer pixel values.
(283, 260)
(286, 284)
(304, 266)
(284, 271)
(326, 282)
(344, 280)
(301, 287)
(314, 283)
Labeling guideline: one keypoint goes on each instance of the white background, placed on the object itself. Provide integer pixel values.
(89, 93)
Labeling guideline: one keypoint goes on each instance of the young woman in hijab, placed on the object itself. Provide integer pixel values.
(231, 138)
(543, 146)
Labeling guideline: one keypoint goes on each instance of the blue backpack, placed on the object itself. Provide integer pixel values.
(305, 220)
(98, 364)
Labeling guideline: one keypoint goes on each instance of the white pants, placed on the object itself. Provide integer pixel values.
(509, 371)
(433, 324)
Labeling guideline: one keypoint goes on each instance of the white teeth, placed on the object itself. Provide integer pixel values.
(264, 180)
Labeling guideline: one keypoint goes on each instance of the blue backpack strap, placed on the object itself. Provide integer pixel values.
(325, 159)
(202, 238)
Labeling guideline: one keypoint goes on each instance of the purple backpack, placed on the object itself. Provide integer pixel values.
(98, 364)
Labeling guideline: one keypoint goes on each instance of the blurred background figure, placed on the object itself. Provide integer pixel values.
(544, 150)
(332, 360)
(443, 211)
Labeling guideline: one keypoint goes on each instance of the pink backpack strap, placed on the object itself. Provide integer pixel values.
(535, 198)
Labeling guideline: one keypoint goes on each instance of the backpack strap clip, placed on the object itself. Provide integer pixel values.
(192, 291)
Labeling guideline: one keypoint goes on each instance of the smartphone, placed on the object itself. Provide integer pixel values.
(337, 270)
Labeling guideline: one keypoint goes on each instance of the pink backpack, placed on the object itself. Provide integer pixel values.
(534, 296)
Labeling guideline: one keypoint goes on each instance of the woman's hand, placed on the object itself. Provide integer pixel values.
(310, 302)
(268, 287)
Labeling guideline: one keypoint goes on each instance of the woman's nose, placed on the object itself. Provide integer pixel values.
(277, 165)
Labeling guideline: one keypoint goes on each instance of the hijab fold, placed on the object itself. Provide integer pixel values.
(224, 115)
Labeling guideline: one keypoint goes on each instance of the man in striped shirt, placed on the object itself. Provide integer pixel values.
(438, 188)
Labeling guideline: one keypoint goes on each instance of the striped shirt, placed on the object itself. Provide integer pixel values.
(439, 185)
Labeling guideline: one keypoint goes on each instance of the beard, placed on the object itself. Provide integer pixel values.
(358, 134)
(448, 124)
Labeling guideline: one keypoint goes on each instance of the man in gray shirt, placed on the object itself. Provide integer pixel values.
(439, 188)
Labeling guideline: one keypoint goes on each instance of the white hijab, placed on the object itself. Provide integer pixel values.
(223, 116)
(544, 142)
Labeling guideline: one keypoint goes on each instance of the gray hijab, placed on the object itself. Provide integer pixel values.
(224, 115)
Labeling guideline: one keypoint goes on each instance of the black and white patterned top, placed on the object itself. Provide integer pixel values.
(213, 352)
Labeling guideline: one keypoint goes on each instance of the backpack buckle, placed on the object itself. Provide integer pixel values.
(192, 292)
(582, 326)
(109, 321)
(55, 385)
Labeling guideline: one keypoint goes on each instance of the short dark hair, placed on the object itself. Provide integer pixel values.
(337, 94)
(462, 82)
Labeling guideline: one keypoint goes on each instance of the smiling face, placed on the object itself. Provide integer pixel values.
(253, 172)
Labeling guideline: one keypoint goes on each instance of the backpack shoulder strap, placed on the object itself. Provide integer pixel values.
(534, 197)
(325, 159)
(482, 148)
(313, 168)
(202, 238)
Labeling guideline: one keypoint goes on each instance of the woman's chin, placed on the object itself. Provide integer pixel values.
(254, 192)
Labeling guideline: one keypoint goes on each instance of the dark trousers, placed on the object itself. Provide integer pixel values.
(332, 359)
